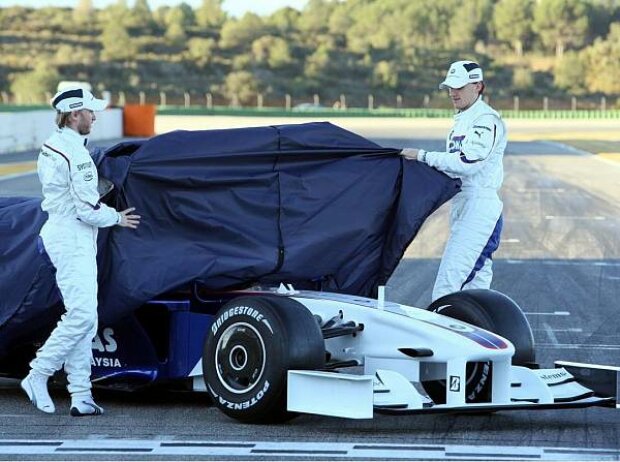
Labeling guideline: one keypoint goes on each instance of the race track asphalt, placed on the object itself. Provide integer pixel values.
(559, 259)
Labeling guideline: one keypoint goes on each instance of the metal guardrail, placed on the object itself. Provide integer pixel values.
(359, 112)
(351, 112)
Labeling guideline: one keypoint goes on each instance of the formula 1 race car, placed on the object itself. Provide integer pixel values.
(265, 355)
(257, 273)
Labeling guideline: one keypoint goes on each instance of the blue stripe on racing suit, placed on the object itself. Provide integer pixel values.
(487, 252)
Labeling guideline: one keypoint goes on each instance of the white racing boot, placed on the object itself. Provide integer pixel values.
(84, 405)
(35, 386)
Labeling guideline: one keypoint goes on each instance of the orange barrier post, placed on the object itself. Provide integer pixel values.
(139, 120)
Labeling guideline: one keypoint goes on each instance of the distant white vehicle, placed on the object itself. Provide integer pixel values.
(309, 107)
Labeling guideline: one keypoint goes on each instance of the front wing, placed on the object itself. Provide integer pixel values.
(569, 385)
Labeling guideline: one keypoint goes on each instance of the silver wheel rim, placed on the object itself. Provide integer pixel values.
(240, 358)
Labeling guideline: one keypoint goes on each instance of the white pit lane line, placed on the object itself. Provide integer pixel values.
(538, 190)
(296, 449)
(547, 313)
(579, 346)
(569, 217)
(513, 261)
(569, 329)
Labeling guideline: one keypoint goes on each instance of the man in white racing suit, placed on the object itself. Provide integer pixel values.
(474, 152)
(68, 238)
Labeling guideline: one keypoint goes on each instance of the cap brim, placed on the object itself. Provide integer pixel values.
(453, 83)
(96, 104)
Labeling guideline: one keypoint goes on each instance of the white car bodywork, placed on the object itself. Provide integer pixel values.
(397, 347)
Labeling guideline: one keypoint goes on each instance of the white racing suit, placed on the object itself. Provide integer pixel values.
(474, 152)
(69, 238)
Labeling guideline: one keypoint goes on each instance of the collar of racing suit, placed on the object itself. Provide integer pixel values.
(72, 136)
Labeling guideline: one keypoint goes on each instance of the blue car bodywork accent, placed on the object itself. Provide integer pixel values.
(133, 352)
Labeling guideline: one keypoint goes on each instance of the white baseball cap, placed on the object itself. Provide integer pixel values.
(75, 99)
(461, 73)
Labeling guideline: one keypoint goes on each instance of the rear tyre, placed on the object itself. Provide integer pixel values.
(251, 346)
(493, 311)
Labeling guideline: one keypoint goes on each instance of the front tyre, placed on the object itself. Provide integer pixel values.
(493, 311)
(489, 310)
(252, 344)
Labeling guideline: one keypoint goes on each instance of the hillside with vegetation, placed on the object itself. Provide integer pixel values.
(396, 50)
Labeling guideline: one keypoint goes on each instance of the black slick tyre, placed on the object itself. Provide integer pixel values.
(492, 311)
(252, 344)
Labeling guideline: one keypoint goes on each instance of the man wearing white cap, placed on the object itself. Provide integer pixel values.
(69, 240)
(474, 152)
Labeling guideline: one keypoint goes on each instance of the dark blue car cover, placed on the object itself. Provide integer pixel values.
(309, 204)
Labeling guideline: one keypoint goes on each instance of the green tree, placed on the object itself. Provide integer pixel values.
(314, 17)
(602, 14)
(175, 34)
(177, 19)
(210, 14)
(240, 87)
(117, 45)
(30, 87)
(512, 21)
(83, 13)
(159, 16)
(182, 15)
(603, 63)
(141, 15)
(142, 7)
(201, 50)
(117, 12)
(284, 20)
(340, 21)
(369, 28)
(273, 51)
(385, 75)
(469, 22)
(561, 23)
(423, 24)
(241, 62)
(14, 17)
(522, 79)
(239, 32)
(69, 54)
(317, 63)
(570, 73)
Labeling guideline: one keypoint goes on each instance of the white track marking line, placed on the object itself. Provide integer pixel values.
(569, 217)
(562, 263)
(146, 449)
(571, 329)
(547, 313)
(550, 333)
(546, 190)
(579, 346)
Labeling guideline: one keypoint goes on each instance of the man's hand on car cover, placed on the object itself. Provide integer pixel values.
(410, 153)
